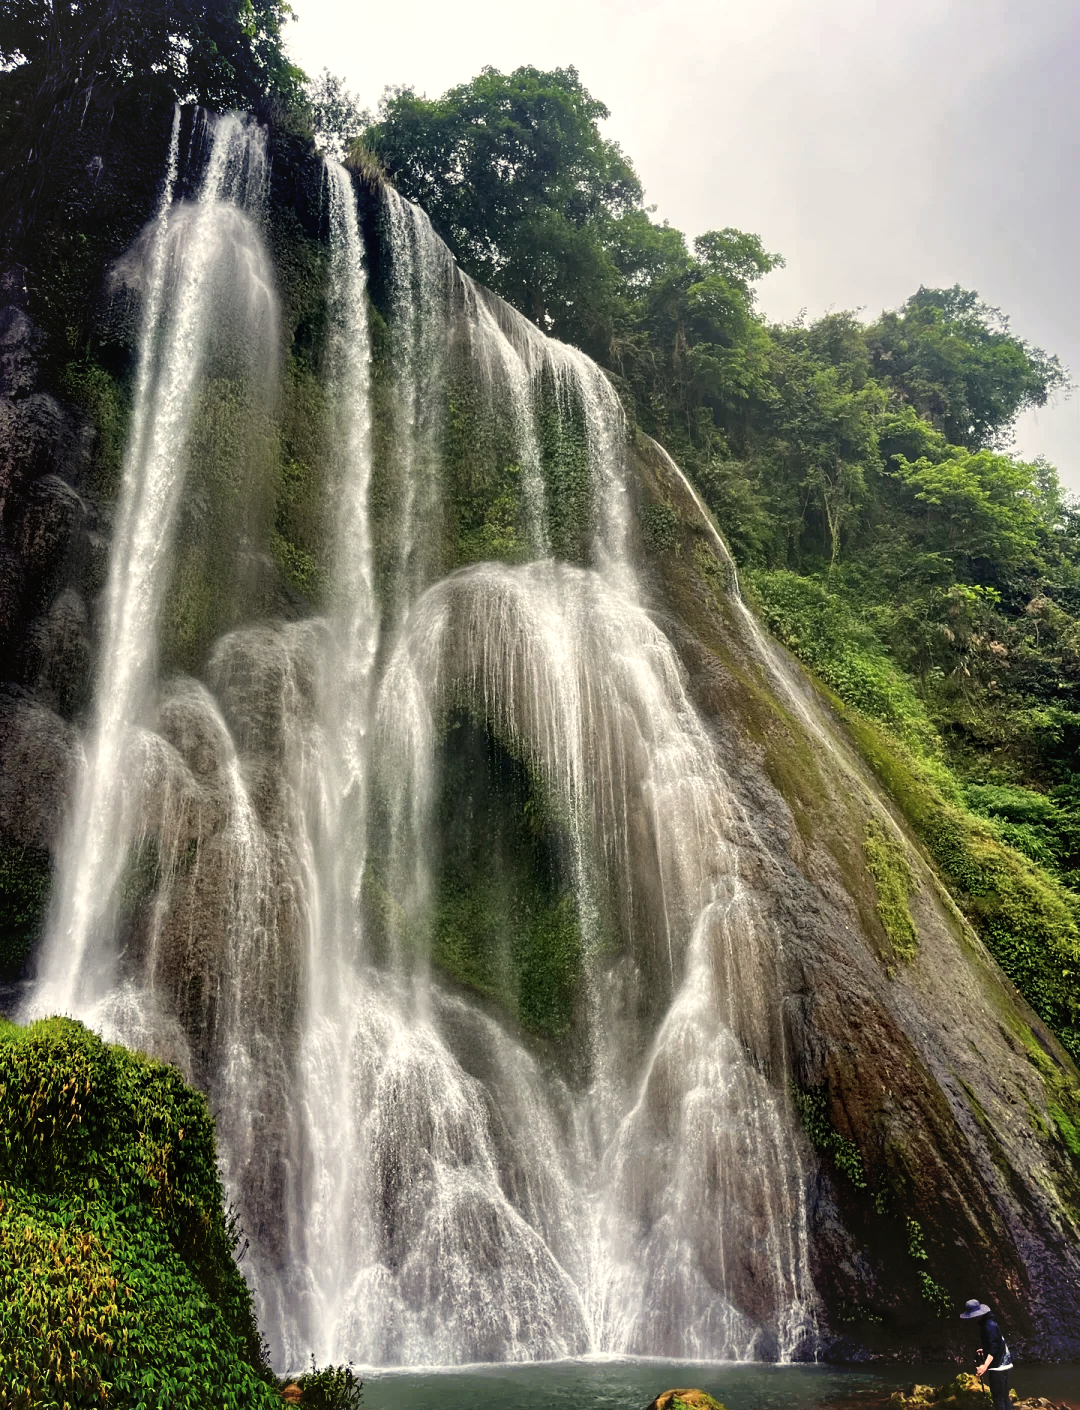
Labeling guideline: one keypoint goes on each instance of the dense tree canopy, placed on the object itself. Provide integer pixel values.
(516, 177)
(58, 56)
(221, 53)
(953, 358)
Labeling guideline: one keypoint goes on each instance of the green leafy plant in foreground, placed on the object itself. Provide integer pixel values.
(330, 1387)
(118, 1283)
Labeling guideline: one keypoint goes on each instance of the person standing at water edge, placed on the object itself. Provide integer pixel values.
(993, 1355)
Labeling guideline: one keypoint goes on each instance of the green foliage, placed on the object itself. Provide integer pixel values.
(1062, 1093)
(887, 863)
(933, 1293)
(25, 879)
(813, 1107)
(1044, 827)
(517, 179)
(91, 387)
(930, 1291)
(221, 54)
(330, 1387)
(980, 505)
(118, 1282)
(818, 625)
(336, 115)
(1027, 919)
(954, 360)
(135, 57)
(916, 1247)
(660, 524)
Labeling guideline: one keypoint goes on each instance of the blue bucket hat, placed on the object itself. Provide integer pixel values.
(974, 1308)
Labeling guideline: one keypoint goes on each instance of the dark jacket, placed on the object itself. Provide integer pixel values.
(993, 1343)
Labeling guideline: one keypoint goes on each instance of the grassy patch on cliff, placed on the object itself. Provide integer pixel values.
(118, 1283)
(887, 863)
(1029, 919)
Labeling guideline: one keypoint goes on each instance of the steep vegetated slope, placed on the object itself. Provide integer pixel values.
(903, 823)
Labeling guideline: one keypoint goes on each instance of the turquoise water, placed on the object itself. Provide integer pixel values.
(630, 1385)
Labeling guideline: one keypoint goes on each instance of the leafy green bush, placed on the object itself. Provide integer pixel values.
(822, 630)
(330, 1387)
(1044, 827)
(118, 1283)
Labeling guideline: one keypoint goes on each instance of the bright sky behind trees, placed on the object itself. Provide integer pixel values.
(877, 146)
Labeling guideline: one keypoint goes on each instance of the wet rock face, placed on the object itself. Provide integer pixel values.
(57, 654)
(52, 521)
(21, 342)
(31, 433)
(47, 529)
(921, 1082)
(38, 756)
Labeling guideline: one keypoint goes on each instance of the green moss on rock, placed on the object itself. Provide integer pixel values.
(104, 398)
(1027, 919)
(505, 918)
(887, 863)
(25, 878)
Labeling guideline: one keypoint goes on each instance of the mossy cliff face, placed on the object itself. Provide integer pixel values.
(941, 1115)
(941, 1107)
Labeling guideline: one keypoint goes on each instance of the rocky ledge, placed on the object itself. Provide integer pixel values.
(963, 1392)
(684, 1400)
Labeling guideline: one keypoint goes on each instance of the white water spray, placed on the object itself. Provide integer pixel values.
(186, 253)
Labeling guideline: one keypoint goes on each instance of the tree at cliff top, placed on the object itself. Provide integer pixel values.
(517, 179)
(221, 53)
(57, 56)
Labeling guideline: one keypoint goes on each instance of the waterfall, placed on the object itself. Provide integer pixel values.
(422, 280)
(197, 261)
(427, 1174)
(324, 1139)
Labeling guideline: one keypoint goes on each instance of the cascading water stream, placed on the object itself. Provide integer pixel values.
(186, 248)
(320, 1213)
(421, 278)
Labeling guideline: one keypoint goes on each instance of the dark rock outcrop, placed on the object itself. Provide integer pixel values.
(38, 756)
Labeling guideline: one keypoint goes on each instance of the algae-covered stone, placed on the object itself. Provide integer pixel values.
(685, 1400)
(963, 1392)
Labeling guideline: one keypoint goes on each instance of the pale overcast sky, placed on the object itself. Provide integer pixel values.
(876, 144)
